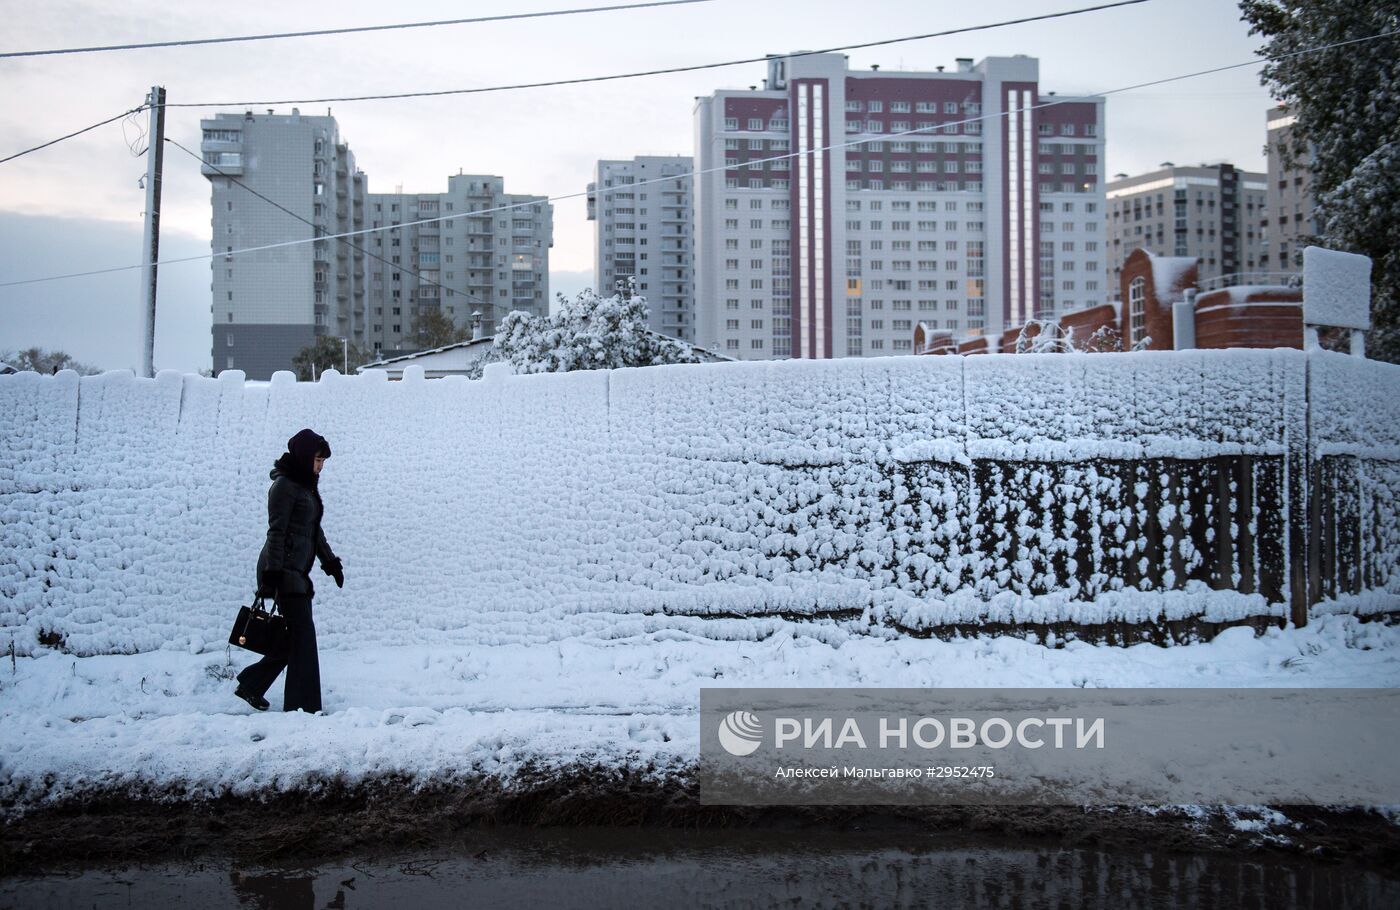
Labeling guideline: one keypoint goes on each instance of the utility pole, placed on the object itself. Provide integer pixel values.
(345, 348)
(150, 236)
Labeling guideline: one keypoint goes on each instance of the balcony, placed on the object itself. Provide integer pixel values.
(219, 163)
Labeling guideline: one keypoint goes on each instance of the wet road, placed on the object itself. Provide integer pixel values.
(646, 868)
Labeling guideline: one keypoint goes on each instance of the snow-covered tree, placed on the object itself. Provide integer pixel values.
(42, 361)
(1347, 102)
(1040, 336)
(587, 333)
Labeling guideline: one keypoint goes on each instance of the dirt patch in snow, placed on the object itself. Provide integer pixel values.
(391, 814)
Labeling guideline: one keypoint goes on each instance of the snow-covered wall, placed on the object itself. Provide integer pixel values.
(914, 490)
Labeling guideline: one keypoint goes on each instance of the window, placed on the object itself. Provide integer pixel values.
(731, 123)
(1137, 309)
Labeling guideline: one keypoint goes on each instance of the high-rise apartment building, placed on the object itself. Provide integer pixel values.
(1209, 212)
(1288, 214)
(484, 249)
(642, 211)
(849, 205)
(480, 250)
(268, 305)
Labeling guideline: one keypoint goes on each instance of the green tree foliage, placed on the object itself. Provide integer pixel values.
(432, 329)
(1347, 102)
(328, 353)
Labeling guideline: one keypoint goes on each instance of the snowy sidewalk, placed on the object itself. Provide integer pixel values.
(169, 719)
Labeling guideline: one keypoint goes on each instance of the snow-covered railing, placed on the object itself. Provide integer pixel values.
(913, 492)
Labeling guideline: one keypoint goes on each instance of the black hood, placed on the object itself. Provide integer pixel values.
(297, 462)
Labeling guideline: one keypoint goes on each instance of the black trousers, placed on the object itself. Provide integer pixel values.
(303, 687)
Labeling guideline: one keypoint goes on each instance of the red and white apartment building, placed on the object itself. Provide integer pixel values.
(835, 209)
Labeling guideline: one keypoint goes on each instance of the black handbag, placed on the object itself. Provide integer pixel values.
(259, 630)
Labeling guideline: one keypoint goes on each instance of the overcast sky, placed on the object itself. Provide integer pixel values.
(76, 206)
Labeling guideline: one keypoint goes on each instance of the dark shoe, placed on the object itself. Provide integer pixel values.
(257, 701)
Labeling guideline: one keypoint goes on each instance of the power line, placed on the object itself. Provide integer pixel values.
(191, 42)
(661, 72)
(134, 110)
(616, 76)
(471, 298)
(926, 131)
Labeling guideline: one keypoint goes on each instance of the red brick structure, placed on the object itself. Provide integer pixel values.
(1235, 317)
(932, 341)
(1082, 325)
(1250, 317)
(1150, 285)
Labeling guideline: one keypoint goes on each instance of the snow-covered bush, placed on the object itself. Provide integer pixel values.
(588, 332)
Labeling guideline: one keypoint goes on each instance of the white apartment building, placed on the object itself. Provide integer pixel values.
(268, 305)
(1289, 214)
(643, 215)
(837, 209)
(480, 250)
(1211, 213)
(484, 251)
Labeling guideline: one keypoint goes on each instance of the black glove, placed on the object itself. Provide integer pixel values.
(267, 583)
(335, 570)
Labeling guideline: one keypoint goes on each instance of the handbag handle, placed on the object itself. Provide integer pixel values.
(258, 602)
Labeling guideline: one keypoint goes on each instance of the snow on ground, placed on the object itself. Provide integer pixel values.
(169, 720)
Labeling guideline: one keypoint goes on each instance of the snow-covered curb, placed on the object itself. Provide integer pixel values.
(168, 721)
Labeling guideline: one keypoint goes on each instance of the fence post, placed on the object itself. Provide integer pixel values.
(1301, 510)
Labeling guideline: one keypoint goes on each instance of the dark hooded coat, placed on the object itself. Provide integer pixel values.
(294, 510)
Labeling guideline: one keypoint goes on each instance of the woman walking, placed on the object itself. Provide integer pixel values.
(294, 541)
